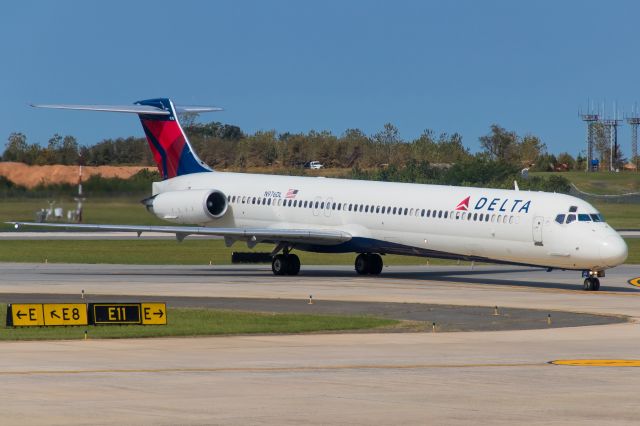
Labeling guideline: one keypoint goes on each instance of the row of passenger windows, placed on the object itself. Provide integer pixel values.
(365, 208)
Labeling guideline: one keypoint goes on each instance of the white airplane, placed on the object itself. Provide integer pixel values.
(369, 218)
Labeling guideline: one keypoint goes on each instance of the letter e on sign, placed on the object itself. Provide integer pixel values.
(154, 313)
(65, 314)
(27, 314)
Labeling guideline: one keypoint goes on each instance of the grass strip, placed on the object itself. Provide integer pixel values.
(204, 322)
(189, 252)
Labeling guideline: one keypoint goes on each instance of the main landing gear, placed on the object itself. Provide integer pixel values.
(368, 263)
(285, 264)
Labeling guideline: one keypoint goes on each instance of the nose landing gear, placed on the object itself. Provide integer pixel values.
(591, 281)
(591, 284)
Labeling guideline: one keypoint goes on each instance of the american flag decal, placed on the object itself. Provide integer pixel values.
(291, 193)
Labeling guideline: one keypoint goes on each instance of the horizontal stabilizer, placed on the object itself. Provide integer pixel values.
(134, 109)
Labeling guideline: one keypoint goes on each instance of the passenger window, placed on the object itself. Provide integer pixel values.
(439, 214)
(486, 217)
(422, 212)
(560, 218)
(504, 219)
(406, 210)
(446, 214)
(411, 212)
(428, 213)
(571, 218)
(475, 216)
(584, 217)
(480, 217)
(511, 220)
(317, 205)
(469, 216)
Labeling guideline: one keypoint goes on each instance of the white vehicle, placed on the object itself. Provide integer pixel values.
(315, 165)
(368, 218)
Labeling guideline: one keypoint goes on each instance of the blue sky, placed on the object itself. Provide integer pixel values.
(454, 66)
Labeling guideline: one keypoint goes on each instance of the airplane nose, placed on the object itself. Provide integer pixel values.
(613, 251)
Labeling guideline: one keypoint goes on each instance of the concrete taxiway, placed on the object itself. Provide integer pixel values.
(500, 377)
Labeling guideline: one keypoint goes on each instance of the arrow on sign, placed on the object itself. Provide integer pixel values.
(159, 313)
(54, 314)
(19, 314)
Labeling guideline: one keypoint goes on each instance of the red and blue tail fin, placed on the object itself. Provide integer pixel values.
(171, 149)
(168, 142)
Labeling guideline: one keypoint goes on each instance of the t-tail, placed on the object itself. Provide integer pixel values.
(170, 146)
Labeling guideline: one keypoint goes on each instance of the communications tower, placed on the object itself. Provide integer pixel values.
(591, 120)
(634, 121)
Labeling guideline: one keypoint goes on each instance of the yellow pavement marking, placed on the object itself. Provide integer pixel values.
(634, 282)
(269, 369)
(598, 362)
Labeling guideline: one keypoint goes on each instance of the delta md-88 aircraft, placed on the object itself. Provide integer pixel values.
(371, 219)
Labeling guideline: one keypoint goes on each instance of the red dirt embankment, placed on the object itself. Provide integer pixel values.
(30, 176)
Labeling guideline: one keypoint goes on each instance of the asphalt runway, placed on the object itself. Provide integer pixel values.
(497, 377)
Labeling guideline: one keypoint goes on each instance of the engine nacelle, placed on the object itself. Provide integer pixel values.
(191, 206)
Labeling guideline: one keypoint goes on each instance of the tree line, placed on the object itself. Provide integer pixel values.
(227, 146)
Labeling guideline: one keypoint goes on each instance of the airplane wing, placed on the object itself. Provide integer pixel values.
(252, 236)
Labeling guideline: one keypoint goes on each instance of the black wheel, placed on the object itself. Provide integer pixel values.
(596, 284)
(375, 264)
(293, 264)
(362, 264)
(586, 286)
(279, 264)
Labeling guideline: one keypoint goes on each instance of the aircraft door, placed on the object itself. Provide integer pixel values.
(538, 221)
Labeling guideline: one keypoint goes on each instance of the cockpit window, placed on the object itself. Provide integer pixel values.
(597, 217)
(573, 209)
(571, 218)
(584, 218)
(560, 218)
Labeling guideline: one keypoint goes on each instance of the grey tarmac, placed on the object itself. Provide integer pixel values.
(497, 377)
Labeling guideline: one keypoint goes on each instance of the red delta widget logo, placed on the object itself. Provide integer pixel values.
(496, 204)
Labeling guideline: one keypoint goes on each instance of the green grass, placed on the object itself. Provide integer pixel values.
(161, 252)
(602, 182)
(189, 252)
(205, 322)
(620, 216)
(121, 211)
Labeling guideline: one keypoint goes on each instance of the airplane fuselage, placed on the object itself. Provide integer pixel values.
(519, 227)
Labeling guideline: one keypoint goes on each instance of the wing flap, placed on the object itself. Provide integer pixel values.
(313, 236)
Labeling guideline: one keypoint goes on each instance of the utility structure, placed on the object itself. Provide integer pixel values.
(591, 120)
(634, 121)
(611, 133)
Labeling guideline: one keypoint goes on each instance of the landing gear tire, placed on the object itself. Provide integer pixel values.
(591, 284)
(362, 266)
(375, 265)
(368, 263)
(293, 264)
(279, 265)
(285, 264)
